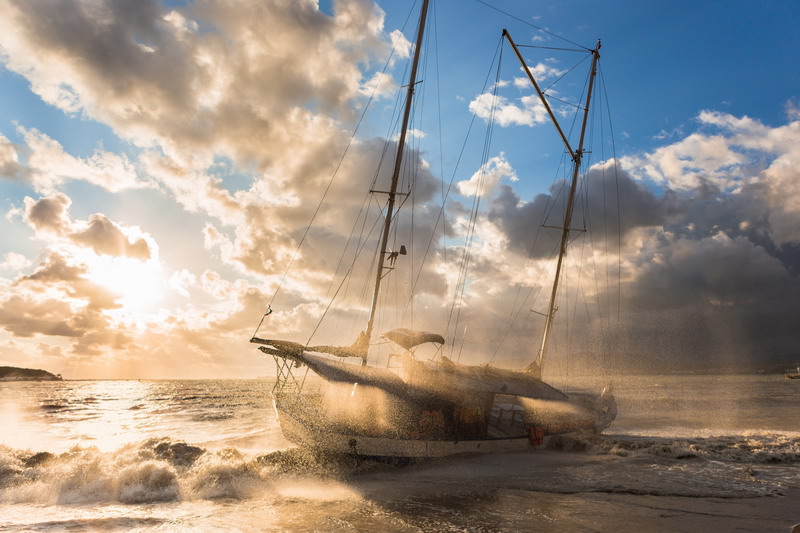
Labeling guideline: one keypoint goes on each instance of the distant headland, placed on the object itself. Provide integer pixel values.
(11, 373)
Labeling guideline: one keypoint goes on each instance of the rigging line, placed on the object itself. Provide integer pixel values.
(585, 191)
(565, 74)
(364, 299)
(590, 232)
(441, 213)
(409, 303)
(361, 211)
(478, 197)
(467, 253)
(605, 216)
(411, 171)
(580, 285)
(327, 188)
(362, 238)
(456, 167)
(516, 311)
(566, 102)
(417, 164)
(515, 314)
(346, 276)
(530, 24)
(583, 50)
(616, 182)
(591, 142)
(365, 210)
(572, 306)
(393, 123)
(439, 116)
(580, 99)
(346, 246)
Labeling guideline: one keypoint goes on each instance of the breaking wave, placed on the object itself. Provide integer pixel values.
(769, 448)
(155, 470)
(163, 470)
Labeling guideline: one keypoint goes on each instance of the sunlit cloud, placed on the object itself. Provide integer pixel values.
(528, 112)
(484, 181)
(186, 87)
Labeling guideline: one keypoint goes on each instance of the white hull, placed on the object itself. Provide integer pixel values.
(330, 441)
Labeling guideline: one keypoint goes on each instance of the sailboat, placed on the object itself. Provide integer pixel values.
(438, 407)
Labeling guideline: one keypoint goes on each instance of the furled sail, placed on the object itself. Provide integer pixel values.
(447, 380)
(348, 373)
(483, 378)
(408, 338)
(357, 349)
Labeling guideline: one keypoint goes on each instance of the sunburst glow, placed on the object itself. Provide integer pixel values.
(139, 284)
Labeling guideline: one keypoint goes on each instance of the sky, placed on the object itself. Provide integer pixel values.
(161, 163)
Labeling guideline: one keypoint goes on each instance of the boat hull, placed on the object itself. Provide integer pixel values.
(305, 433)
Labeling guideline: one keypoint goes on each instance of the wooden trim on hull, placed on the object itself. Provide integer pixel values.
(332, 442)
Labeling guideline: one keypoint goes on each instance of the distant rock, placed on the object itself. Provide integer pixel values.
(12, 373)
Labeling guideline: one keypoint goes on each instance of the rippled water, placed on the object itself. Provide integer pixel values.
(209, 455)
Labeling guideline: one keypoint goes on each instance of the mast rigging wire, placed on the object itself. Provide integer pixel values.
(506, 13)
(329, 184)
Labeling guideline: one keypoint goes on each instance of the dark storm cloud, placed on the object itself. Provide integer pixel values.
(616, 205)
(718, 280)
(710, 262)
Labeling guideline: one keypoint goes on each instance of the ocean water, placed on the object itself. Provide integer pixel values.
(686, 453)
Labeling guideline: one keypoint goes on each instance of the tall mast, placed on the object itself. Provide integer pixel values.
(396, 173)
(577, 157)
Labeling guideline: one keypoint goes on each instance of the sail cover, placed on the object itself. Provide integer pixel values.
(357, 349)
(487, 378)
(445, 380)
(409, 338)
(338, 372)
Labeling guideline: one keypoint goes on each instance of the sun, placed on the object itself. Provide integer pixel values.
(138, 284)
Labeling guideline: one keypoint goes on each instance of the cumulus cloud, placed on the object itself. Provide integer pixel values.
(193, 78)
(10, 167)
(272, 88)
(718, 273)
(50, 215)
(528, 112)
(55, 300)
(740, 161)
(541, 71)
(14, 261)
(704, 256)
(485, 180)
(106, 237)
(48, 166)
(181, 280)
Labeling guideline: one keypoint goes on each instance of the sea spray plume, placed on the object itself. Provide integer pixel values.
(150, 471)
(225, 474)
(374, 411)
(177, 453)
(771, 448)
(147, 482)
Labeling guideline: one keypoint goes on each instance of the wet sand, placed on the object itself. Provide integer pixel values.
(566, 491)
